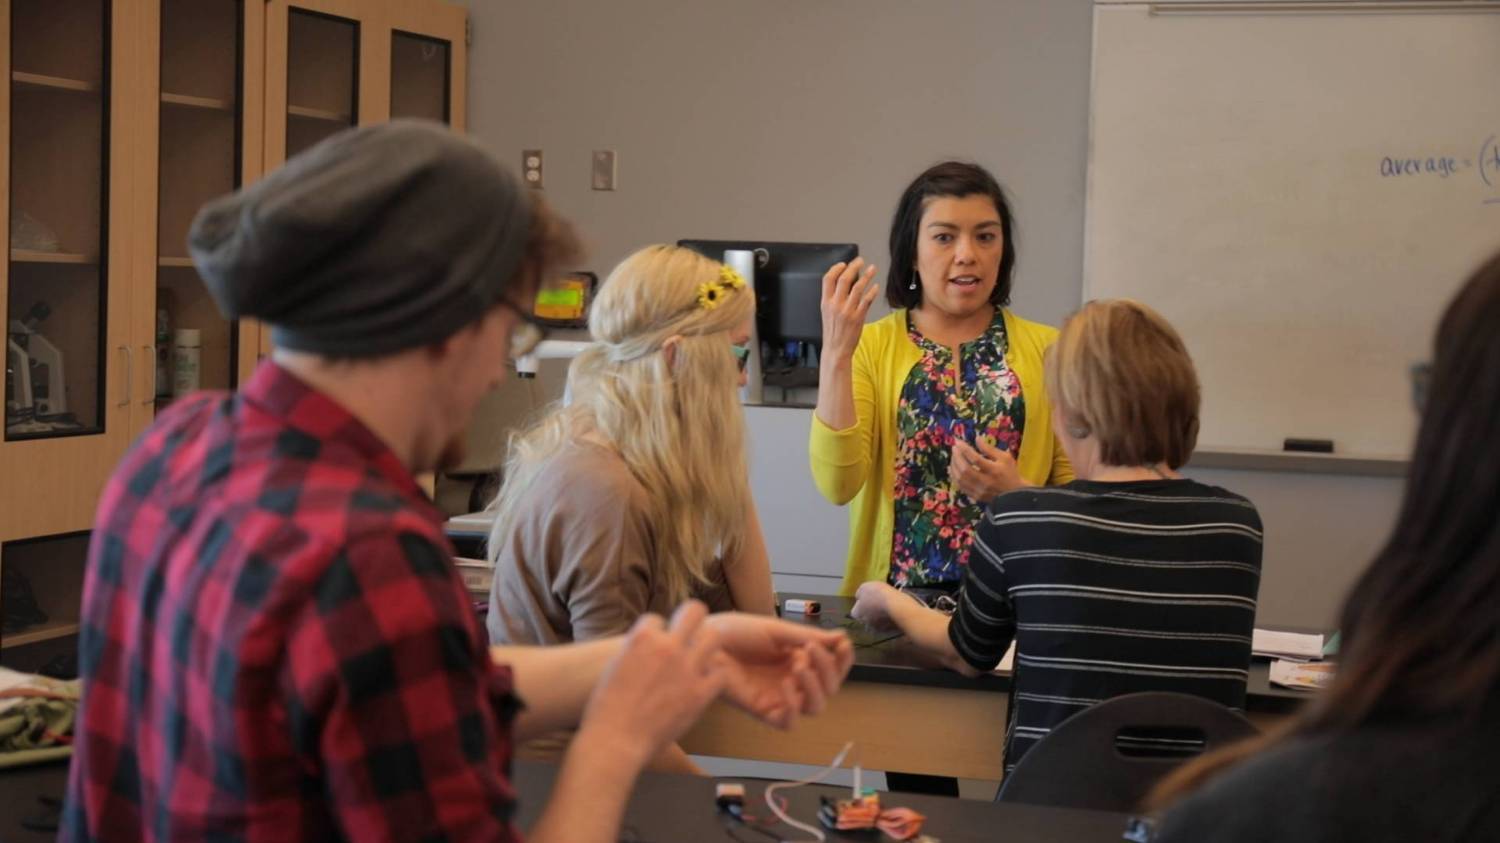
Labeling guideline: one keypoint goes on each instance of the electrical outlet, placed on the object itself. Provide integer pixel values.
(605, 173)
(531, 167)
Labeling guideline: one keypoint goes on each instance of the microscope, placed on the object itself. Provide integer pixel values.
(36, 391)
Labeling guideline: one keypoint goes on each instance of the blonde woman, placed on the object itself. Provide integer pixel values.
(634, 497)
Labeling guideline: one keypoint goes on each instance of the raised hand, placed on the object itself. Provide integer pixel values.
(848, 293)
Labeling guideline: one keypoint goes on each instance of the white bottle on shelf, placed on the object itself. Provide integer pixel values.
(186, 351)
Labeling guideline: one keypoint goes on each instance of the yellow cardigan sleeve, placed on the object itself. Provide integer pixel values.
(1041, 461)
(1062, 469)
(840, 459)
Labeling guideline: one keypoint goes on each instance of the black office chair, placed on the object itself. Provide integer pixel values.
(1108, 757)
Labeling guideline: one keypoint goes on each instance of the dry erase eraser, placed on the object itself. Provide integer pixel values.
(802, 607)
(1314, 446)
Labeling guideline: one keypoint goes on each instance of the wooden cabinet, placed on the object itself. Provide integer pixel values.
(204, 138)
(66, 153)
(123, 118)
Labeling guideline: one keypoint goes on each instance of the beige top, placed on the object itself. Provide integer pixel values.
(580, 562)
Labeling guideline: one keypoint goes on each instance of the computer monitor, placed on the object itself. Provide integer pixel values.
(788, 283)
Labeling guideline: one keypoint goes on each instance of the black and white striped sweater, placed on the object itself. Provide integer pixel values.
(1110, 589)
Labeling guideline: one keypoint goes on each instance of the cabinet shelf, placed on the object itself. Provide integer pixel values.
(45, 632)
(342, 118)
(30, 256)
(55, 83)
(202, 103)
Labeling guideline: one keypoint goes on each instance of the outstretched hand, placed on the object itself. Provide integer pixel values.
(778, 671)
(660, 682)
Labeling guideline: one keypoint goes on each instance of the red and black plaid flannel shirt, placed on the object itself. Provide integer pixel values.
(275, 643)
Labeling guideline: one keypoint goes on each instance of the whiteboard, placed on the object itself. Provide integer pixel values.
(1300, 192)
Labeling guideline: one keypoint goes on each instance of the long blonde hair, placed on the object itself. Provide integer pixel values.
(677, 425)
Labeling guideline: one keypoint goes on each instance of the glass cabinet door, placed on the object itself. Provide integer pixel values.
(421, 76)
(322, 77)
(56, 290)
(317, 55)
(201, 116)
(428, 42)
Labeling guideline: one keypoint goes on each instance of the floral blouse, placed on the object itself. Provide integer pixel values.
(934, 525)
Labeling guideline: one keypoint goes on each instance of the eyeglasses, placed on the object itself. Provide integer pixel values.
(527, 334)
(741, 355)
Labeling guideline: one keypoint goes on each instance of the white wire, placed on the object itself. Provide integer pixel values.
(858, 771)
(817, 833)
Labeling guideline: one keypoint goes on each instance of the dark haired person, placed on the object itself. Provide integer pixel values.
(1402, 745)
(928, 413)
(1131, 578)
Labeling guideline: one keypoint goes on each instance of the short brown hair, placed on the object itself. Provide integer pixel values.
(1121, 374)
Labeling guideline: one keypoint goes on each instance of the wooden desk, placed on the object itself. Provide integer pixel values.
(669, 808)
(908, 714)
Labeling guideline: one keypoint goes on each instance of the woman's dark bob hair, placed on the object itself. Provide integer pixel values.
(950, 178)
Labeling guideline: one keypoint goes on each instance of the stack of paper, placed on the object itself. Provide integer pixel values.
(1007, 663)
(1287, 645)
(1299, 675)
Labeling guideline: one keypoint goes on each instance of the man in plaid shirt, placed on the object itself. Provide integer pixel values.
(275, 643)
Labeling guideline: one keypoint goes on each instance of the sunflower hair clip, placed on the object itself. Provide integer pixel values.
(731, 279)
(711, 293)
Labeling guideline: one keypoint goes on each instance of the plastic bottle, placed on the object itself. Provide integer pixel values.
(186, 352)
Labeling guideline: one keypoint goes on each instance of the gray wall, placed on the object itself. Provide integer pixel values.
(802, 120)
(793, 119)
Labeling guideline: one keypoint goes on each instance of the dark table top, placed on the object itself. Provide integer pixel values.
(20, 788)
(669, 808)
(889, 658)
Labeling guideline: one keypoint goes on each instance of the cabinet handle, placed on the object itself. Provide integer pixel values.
(150, 364)
(129, 375)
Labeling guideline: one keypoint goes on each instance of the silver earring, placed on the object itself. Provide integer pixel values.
(1078, 431)
(913, 285)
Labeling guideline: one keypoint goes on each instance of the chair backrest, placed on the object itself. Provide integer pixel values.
(1109, 756)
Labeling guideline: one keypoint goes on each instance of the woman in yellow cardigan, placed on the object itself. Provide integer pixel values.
(928, 413)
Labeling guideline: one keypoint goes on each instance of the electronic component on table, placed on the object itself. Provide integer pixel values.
(802, 607)
(729, 793)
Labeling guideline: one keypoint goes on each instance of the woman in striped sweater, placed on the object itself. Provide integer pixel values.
(1132, 578)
